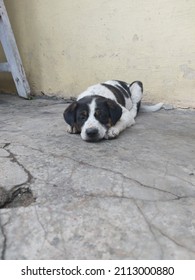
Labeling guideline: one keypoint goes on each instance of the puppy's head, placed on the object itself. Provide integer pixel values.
(92, 117)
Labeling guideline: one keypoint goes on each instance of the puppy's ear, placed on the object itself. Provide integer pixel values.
(70, 114)
(115, 111)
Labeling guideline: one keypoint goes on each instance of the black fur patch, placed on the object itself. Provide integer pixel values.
(77, 113)
(125, 86)
(118, 93)
(107, 111)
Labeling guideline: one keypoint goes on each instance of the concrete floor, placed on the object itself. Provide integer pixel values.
(63, 198)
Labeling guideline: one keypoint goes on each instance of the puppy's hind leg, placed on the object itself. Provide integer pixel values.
(136, 89)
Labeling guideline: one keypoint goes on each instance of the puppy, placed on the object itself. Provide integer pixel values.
(106, 109)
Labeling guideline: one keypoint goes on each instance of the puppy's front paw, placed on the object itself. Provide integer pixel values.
(71, 130)
(112, 133)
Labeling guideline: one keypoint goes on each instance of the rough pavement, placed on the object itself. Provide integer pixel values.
(63, 198)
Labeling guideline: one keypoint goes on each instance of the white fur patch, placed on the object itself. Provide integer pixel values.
(92, 122)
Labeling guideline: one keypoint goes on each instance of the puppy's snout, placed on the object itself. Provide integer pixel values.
(92, 132)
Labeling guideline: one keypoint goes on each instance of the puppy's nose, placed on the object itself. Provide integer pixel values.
(92, 132)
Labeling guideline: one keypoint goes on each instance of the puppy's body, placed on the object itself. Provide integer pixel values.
(104, 110)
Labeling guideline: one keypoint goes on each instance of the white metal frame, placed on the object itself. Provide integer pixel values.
(14, 62)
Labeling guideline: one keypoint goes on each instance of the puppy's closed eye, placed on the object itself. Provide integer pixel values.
(98, 113)
(102, 115)
(83, 115)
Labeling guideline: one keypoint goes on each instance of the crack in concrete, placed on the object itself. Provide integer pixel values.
(95, 195)
(42, 226)
(173, 240)
(45, 233)
(14, 159)
(81, 162)
(19, 190)
(3, 251)
(167, 164)
(4, 248)
(150, 227)
(133, 180)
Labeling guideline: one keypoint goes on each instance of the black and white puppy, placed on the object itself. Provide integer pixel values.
(104, 110)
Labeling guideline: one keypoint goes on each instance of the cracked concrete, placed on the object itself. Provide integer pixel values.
(63, 198)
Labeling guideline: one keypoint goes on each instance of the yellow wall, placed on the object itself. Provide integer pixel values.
(67, 45)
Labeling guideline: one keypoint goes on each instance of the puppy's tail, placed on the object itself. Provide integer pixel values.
(151, 108)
